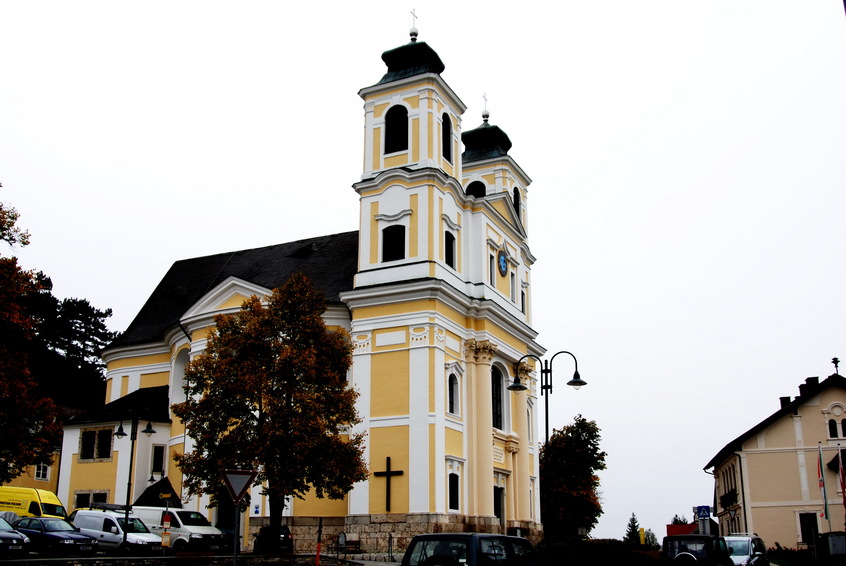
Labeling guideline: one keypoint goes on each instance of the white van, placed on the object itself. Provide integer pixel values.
(108, 527)
(187, 530)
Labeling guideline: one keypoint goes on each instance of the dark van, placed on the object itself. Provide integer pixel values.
(470, 549)
(696, 549)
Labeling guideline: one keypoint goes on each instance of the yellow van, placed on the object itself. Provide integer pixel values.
(30, 502)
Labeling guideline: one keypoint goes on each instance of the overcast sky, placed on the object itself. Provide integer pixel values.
(686, 209)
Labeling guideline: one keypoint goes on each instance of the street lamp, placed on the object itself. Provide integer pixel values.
(546, 380)
(132, 437)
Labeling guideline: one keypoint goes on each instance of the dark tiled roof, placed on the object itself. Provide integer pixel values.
(806, 391)
(415, 58)
(329, 261)
(147, 403)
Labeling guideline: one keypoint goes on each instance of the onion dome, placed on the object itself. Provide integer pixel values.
(413, 58)
(485, 142)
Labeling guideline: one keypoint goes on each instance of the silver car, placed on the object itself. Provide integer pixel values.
(747, 549)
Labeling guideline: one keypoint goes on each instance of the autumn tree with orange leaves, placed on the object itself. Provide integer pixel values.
(569, 484)
(28, 420)
(270, 393)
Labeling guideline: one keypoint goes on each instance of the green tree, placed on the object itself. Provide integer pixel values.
(679, 520)
(65, 362)
(632, 536)
(568, 466)
(651, 541)
(28, 420)
(270, 393)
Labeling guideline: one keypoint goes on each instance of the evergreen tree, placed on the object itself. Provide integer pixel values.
(679, 520)
(650, 540)
(270, 394)
(632, 532)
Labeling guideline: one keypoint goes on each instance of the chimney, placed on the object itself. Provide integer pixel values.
(808, 386)
(785, 401)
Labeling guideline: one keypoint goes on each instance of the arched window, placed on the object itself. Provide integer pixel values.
(843, 428)
(452, 394)
(446, 136)
(396, 129)
(393, 243)
(449, 249)
(517, 202)
(832, 428)
(477, 189)
(496, 397)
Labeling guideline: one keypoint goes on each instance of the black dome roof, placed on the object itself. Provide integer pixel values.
(484, 142)
(414, 58)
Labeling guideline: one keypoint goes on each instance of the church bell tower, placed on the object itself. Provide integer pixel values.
(440, 310)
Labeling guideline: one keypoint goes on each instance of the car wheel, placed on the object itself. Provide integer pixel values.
(179, 546)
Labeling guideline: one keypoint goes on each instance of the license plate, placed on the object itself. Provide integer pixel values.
(213, 547)
(16, 547)
(84, 548)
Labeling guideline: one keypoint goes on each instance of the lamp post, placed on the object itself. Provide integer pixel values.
(132, 437)
(546, 380)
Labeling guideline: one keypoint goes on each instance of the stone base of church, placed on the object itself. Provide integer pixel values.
(389, 532)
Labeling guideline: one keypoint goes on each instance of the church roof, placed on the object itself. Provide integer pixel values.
(484, 142)
(413, 58)
(329, 261)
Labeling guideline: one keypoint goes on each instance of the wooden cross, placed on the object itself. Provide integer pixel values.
(387, 475)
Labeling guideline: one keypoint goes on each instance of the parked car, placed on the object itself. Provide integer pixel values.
(747, 549)
(470, 549)
(13, 544)
(50, 535)
(268, 544)
(108, 527)
(187, 530)
(700, 549)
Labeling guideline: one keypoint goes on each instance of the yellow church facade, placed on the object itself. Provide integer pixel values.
(435, 292)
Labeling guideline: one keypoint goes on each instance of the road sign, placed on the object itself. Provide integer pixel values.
(703, 512)
(238, 482)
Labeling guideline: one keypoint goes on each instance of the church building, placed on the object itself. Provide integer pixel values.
(435, 291)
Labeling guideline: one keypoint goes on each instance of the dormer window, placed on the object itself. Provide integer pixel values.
(396, 129)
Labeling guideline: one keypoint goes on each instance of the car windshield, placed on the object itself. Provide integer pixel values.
(425, 548)
(699, 548)
(4, 525)
(57, 525)
(51, 509)
(135, 525)
(193, 519)
(738, 547)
